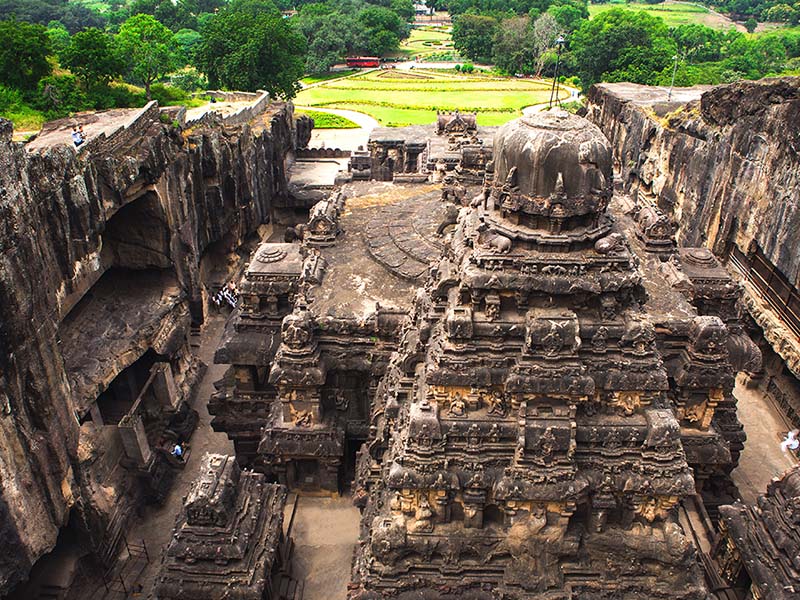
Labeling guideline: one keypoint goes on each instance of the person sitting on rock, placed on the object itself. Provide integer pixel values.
(177, 451)
(77, 137)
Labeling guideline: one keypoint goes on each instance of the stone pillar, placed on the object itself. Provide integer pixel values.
(164, 386)
(134, 439)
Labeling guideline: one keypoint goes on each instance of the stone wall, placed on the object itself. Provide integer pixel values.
(54, 207)
(724, 165)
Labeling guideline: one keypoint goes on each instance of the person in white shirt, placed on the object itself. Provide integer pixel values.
(791, 442)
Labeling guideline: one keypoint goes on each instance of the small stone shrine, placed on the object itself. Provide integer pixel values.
(552, 399)
(758, 552)
(228, 540)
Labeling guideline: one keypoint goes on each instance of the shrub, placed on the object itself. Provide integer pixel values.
(188, 80)
(60, 95)
(10, 99)
(166, 95)
(124, 96)
(467, 68)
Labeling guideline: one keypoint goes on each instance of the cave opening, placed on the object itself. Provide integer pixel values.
(118, 398)
(54, 573)
(137, 236)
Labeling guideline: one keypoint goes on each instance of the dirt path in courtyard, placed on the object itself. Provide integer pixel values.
(155, 527)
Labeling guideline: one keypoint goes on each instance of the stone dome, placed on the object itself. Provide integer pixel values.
(552, 165)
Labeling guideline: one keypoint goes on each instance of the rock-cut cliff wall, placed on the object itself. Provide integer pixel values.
(57, 238)
(724, 164)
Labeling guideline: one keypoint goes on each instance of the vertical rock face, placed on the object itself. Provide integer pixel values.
(725, 166)
(147, 197)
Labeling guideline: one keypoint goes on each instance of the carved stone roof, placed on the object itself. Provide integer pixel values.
(272, 259)
(553, 164)
(768, 537)
(226, 539)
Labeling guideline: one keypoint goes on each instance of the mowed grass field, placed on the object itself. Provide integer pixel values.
(397, 97)
(673, 13)
(424, 41)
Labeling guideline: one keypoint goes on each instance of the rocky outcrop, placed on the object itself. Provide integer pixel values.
(724, 164)
(148, 196)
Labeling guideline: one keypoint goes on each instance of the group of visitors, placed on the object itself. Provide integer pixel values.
(78, 137)
(226, 294)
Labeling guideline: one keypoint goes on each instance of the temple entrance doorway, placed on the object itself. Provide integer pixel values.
(351, 447)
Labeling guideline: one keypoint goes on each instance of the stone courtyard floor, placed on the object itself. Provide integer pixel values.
(325, 532)
(762, 458)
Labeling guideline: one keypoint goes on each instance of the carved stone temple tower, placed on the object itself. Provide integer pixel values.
(528, 438)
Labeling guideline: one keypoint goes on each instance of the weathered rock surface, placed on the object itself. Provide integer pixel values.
(723, 164)
(57, 238)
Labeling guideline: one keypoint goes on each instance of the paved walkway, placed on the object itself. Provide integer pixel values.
(345, 139)
(325, 532)
(762, 458)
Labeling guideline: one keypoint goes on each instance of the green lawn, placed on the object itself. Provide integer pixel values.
(424, 41)
(327, 76)
(323, 120)
(397, 98)
(673, 13)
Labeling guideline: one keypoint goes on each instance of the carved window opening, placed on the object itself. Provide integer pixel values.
(493, 515)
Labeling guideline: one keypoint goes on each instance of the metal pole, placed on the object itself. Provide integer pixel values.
(674, 70)
(555, 87)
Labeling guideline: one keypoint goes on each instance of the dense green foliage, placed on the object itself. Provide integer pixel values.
(62, 56)
(72, 15)
(616, 45)
(336, 29)
(93, 57)
(249, 46)
(23, 54)
(148, 48)
(621, 45)
(473, 36)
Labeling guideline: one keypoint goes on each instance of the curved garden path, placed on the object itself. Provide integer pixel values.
(346, 139)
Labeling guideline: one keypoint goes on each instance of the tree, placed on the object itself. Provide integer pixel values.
(175, 15)
(512, 48)
(383, 22)
(187, 41)
(780, 12)
(621, 45)
(59, 37)
(148, 47)
(545, 32)
(93, 57)
(23, 54)
(404, 9)
(567, 16)
(473, 36)
(60, 95)
(750, 25)
(249, 46)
